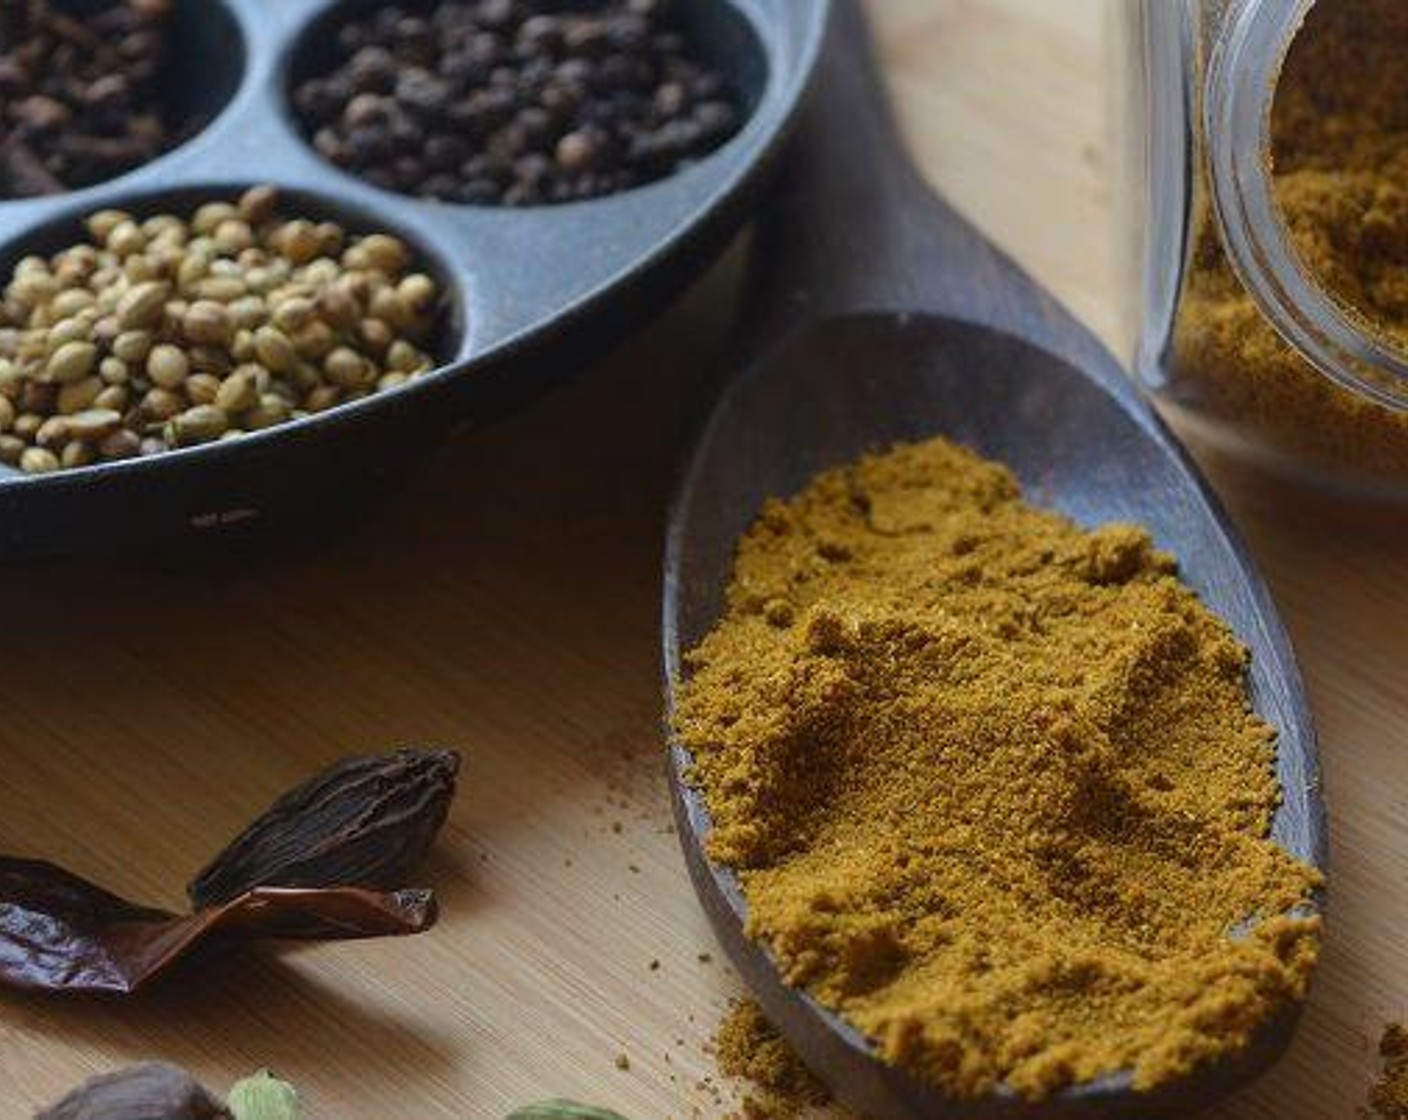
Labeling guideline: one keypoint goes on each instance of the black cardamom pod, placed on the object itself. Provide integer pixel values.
(153, 1091)
(364, 822)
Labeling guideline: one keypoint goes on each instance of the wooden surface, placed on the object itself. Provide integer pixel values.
(508, 605)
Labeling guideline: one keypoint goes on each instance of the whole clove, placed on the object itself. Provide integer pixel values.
(152, 1091)
(324, 863)
(80, 92)
(516, 102)
(365, 822)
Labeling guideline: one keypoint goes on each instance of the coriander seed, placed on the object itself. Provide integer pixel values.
(168, 366)
(173, 331)
(72, 361)
(38, 460)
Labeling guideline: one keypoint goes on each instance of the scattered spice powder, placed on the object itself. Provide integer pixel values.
(1340, 148)
(992, 783)
(1388, 1100)
(749, 1048)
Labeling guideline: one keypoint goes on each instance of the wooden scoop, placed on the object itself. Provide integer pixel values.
(882, 316)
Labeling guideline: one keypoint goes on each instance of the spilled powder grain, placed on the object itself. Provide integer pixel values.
(749, 1048)
(1388, 1100)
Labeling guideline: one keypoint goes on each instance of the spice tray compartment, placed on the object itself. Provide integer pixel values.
(532, 291)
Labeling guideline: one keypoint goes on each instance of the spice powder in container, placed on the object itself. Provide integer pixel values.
(992, 783)
(1339, 150)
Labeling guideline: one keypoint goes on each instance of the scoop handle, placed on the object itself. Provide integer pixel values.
(853, 226)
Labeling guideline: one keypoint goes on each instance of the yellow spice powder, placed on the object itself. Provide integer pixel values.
(1340, 155)
(1388, 1100)
(750, 1048)
(992, 784)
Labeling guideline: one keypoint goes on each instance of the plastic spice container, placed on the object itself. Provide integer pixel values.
(1234, 329)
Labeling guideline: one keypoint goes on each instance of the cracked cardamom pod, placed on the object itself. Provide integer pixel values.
(563, 1110)
(263, 1097)
(364, 822)
(153, 1091)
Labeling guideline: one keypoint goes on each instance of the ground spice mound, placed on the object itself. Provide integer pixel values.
(992, 784)
(1340, 151)
(1388, 1100)
(750, 1048)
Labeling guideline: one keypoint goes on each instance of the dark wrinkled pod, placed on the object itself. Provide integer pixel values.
(364, 822)
(152, 1091)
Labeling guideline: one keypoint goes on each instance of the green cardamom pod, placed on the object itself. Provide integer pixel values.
(563, 1110)
(263, 1097)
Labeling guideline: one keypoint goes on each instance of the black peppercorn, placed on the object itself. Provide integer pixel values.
(515, 102)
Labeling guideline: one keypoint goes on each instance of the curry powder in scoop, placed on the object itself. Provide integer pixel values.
(992, 783)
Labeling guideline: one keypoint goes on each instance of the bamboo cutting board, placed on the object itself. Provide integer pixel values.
(508, 605)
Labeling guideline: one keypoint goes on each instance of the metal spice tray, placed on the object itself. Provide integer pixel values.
(532, 291)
